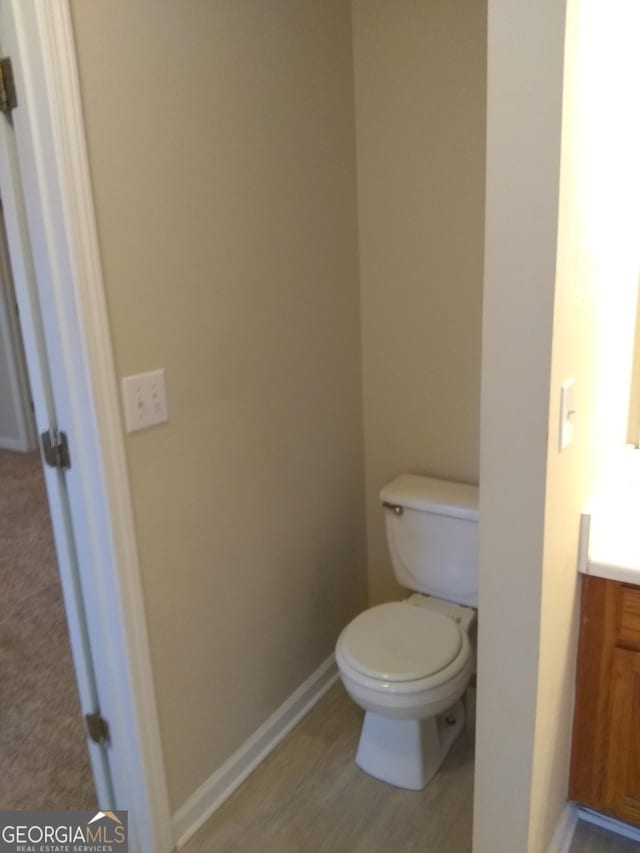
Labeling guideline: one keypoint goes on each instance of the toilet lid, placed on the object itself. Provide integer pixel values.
(400, 642)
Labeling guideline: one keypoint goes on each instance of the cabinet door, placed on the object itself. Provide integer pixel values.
(599, 620)
(622, 778)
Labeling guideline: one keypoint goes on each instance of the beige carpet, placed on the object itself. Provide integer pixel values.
(43, 754)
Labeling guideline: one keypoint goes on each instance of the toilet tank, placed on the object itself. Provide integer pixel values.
(432, 533)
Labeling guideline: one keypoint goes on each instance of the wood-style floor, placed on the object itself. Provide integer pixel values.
(593, 839)
(309, 796)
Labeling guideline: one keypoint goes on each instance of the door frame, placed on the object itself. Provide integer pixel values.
(56, 184)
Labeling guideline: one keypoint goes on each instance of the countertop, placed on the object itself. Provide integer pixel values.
(610, 530)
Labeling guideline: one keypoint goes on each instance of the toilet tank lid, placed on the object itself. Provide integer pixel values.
(440, 497)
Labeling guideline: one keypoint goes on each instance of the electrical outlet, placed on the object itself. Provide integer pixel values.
(145, 400)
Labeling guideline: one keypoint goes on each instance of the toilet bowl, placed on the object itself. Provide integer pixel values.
(407, 664)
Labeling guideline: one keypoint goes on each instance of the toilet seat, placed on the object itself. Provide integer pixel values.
(431, 686)
(398, 643)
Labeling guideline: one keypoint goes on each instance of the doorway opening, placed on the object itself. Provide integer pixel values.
(43, 749)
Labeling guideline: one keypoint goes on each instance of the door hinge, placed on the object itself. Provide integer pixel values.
(8, 99)
(55, 448)
(97, 727)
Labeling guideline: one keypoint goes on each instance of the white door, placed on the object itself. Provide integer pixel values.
(17, 428)
(38, 363)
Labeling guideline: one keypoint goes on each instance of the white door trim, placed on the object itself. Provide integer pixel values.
(61, 221)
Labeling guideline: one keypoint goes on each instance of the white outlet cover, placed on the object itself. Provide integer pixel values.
(145, 400)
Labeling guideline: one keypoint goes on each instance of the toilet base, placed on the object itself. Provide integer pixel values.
(407, 753)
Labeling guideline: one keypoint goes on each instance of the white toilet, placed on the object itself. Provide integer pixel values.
(407, 664)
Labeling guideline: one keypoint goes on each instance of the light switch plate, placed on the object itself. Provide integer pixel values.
(567, 413)
(145, 400)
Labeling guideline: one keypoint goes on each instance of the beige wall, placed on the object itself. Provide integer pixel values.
(594, 325)
(420, 116)
(559, 304)
(633, 428)
(523, 163)
(222, 150)
(221, 142)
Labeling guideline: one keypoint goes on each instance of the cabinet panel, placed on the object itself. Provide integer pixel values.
(622, 785)
(630, 617)
(605, 760)
(599, 623)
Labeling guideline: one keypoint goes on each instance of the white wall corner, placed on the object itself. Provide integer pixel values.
(208, 798)
(565, 828)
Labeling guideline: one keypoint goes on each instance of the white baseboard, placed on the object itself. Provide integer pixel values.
(566, 826)
(609, 823)
(188, 819)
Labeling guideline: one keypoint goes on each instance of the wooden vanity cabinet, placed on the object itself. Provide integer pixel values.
(605, 761)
